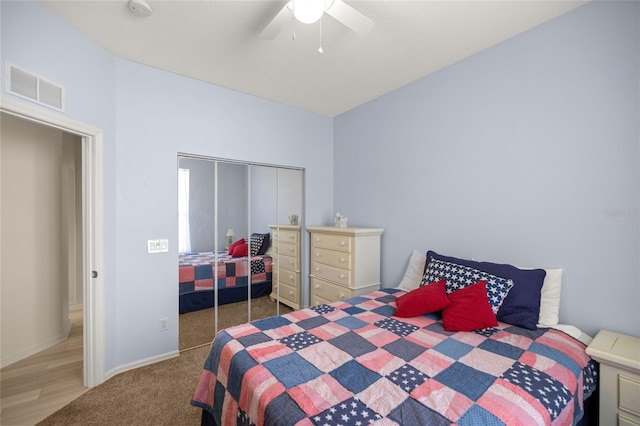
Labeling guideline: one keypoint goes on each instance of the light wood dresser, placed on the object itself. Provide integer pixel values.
(345, 262)
(285, 249)
(619, 358)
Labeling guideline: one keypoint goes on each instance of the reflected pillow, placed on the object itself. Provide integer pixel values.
(469, 309)
(241, 250)
(266, 242)
(235, 243)
(257, 241)
(422, 300)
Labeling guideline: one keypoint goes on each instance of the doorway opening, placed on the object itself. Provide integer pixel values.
(92, 230)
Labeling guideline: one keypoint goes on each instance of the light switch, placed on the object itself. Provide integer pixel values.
(157, 246)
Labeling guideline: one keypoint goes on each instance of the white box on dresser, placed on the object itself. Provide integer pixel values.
(285, 249)
(345, 262)
(619, 383)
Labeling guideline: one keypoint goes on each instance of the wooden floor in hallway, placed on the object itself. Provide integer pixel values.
(35, 387)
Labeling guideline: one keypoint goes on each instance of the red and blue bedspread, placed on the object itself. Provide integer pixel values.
(196, 271)
(352, 363)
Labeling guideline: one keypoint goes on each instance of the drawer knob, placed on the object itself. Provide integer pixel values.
(290, 293)
(341, 296)
(317, 240)
(317, 269)
(342, 243)
(291, 278)
(341, 275)
(342, 260)
(316, 286)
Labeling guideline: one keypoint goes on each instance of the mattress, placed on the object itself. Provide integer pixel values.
(353, 362)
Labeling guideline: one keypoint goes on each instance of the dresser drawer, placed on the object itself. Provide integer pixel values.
(287, 262)
(286, 249)
(318, 300)
(329, 291)
(629, 398)
(338, 259)
(332, 242)
(331, 273)
(285, 236)
(288, 277)
(288, 292)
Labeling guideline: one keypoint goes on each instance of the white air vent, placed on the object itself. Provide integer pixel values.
(29, 86)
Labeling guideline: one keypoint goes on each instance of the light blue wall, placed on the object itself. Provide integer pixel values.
(521, 154)
(148, 116)
(513, 155)
(159, 114)
(35, 40)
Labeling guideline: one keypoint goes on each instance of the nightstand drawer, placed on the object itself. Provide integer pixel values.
(629, 398)
(330, 273)
(619, 381)
(625, 421)
(331, 242)
(334, 258)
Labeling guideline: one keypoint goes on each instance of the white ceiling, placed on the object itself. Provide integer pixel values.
(218, 41)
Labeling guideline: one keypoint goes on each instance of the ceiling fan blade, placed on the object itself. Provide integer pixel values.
(277, 24)
(350, 17)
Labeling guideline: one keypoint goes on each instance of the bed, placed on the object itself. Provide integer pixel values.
(373, 359)
(196, 272)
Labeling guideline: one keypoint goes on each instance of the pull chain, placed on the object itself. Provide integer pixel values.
(293, 20)
(320, 48)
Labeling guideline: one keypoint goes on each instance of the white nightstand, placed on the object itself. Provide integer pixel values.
(619, 358)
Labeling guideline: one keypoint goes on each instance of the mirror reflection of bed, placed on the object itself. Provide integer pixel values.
(229, 213)
(196, 328)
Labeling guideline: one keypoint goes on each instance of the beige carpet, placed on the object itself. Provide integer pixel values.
(158, 394)
(197, 328)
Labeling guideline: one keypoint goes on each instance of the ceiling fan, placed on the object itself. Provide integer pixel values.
(309, 11)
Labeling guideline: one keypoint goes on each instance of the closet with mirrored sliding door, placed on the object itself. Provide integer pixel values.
(239, 243)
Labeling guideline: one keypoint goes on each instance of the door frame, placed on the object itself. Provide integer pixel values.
(92, 230)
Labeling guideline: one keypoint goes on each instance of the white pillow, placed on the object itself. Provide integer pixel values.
(550, 298)
(415, 270)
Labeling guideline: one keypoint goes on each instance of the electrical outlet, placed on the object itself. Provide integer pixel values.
(164, 324)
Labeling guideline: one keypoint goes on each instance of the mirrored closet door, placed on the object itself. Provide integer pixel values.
(240, 239)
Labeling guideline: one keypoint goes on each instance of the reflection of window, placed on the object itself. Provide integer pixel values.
(184, 240)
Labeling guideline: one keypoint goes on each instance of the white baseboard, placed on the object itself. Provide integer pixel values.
(38, 347)
(141, 363)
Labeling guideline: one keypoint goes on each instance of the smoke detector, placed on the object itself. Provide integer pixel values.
(140, 8)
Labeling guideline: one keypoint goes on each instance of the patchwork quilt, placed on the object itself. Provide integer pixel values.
(196, 271)
(353, 363)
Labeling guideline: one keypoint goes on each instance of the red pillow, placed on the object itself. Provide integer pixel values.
(241, 250)
(423, 300)
(469, 310)
(232, 246)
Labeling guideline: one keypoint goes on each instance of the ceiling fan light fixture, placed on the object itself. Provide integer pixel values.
(308, 11)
